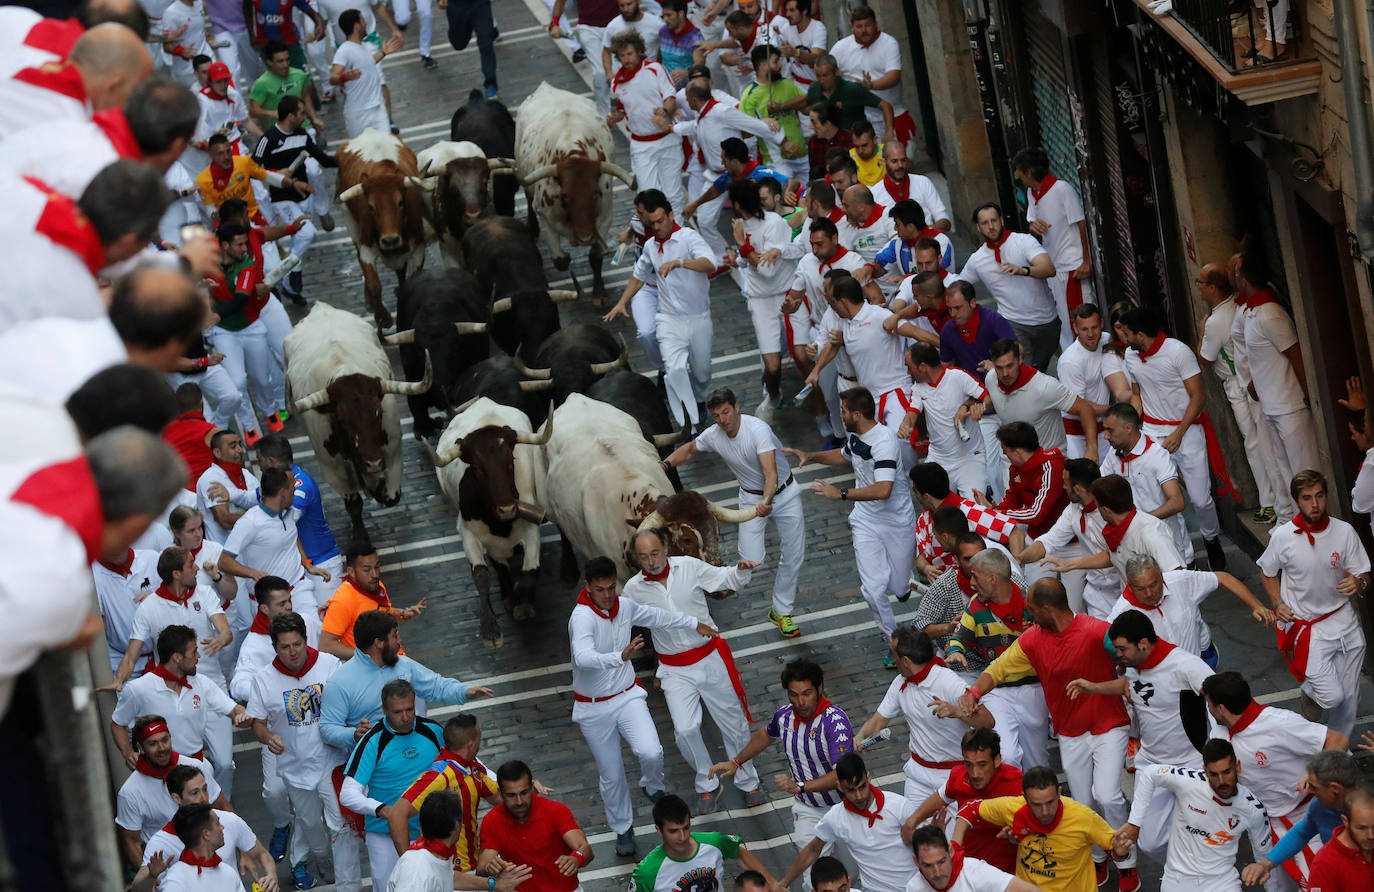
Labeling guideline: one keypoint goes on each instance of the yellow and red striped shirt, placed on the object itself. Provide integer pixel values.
(472, 781)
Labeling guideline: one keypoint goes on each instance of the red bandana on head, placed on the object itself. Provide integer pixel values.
(1302, 526)
(585, 599)
(874, 812)
(997, 243)
(1022, 379)
(189, 857)
(1153, 348)
(1045, 184)
(1115, 532)
(311, 657)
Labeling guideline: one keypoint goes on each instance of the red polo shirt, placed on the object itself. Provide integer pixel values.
(1339, 868)
(186, 434)
(537, 842)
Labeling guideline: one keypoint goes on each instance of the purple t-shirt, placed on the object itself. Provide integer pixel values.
(226, 15)
(813, 746)
(953, 347)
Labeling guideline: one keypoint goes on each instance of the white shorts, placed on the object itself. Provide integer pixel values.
(767, 317)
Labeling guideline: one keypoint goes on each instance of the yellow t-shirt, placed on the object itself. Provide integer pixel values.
(870, 171)
(217, 185)
(1060, 860)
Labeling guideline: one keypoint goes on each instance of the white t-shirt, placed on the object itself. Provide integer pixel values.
(238, 837)
(875, 352)
(741, 452)
(1205, 831)
(884, 862)
(940, 401)
(682, 292)
(877, 458)
(870, 236)
(1060, 208)
(647, 26)
(1178, 615)
(184, 711)
(1154, 692)
(1308, 573)
(974, 876)
(156, 613)
(145, 805)
(1269, 332)
(209, 552)
(183, 877)
(1088, 530)
(1147, 534)
(809, 277)
(1216, 346)
(291, 708)
(1024, 300)
(242, 499)
(420, 871)
(641, 94)
(812, 38)
(920, 189)
(266, 540)
(774, 279)
(933, 739)
(1362, 493)
(255, 653)
(1085, 372)
(884, 54)
(1161, 376)
(830, 321)
(192, 17)
(366, 91)
(117, 593)
(1148, 469)
(1272, 750)
(1041, 402)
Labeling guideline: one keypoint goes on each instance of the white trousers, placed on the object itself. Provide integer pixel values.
(644, 309)
(708, 213)
(401, 9)
(686, 688)
(1295, 438)
(1333, 676)
(219, 748)
(922, 780)
(685, 343)
(356, 119)
(274, 796)
(592, 40)
(230, 55)
(277, 326)
(998, 466)
(1093, 764)
(1175, 880)
(248, 359)
(832, 384)
(966, 470)
(1059, 288)
(790, 521)
(1250, 419)
(381, 857)
(658, 165)
(891, 414)
(884, 558)
(1195, 472)
(1099, 600)
(1078, 446)
(1023, 723)
(317, 52)
(804, 820)
(603, 725)
(320, 826)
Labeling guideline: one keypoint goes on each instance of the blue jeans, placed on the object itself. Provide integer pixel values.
(467, 18)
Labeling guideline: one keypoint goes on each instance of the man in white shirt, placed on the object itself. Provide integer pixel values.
(284, 705)
(1171, 400)
(1149, 469)
(1217, 351)
(1076, 534)
(198, 868)
(187, 785)
(633, 17)
(1014, 267)
(753, 453)
(883, 516)
(1019, 392)
(120, 588)
(873, 60)
(1127, 531)
(143, 804)
(609, 702)
(1313, 566)
(1088, 369)
(185, 33)
(1055, 216)
(867, 228)
(677, 261)
(952, 401)
(355, 70)
(803, 40)
(941, 868)
(240, 484)
(1278, 378)
(1272, 746)
(899, 184)
(869, 823)
(933, 740)
(642, 90)
(696, 669)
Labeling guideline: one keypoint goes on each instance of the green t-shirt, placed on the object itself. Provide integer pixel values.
(269, 89)
(852, 99)
(703, 872)
(755, 102)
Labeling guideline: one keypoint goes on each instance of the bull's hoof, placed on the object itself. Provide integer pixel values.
(492, 643)
(383, 319)
(562, 262)
(523, 612)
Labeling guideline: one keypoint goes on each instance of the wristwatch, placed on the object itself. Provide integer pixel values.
(844, 495)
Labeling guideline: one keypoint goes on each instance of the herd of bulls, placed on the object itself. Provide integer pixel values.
(551, 424)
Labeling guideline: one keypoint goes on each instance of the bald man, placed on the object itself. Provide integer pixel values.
(866, 229)
(104, 66)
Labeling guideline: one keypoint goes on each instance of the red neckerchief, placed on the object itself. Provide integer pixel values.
(209, 93)
(55, 36)
(1157, 655)
(63, 224)
(381, 597)
(586, 600)
(161, 672)
(165, 591)
(261, 624)
(1083, 517)
(115, 126)
(996, 246)
(125, 568)
(840, 251)
(60, 77)
(897, 192)
(1245, 718)
(436, 847)
(1136, 602)
(1013, 613)
(953, 499)
(1115, 532)
(220, 176)
(1045, 184)
(1132, 456)
(748, 168)
(1261, 297)
(956, 857)
(660, 577)
(143, 766)
(746, 46)
(1023, 822)
(873, 217)
(873, 814)
(625, 74)
(311, 657)
(686, 26)
(969, 330)
(660, 242)
(1302, 526)
(929, 232)
(1153, 348)
(472, 766)
(235, 472)
(921, 676)
(710, 104)
(1022, 379)
(836, 214)
(189, 857)
(965, 584)
(821, 706)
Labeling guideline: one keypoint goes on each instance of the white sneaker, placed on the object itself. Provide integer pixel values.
(765, 409)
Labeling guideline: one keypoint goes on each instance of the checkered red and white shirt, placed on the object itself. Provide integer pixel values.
(986, 522)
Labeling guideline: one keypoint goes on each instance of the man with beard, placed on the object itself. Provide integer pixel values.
(942, 868)
(526, 828)
(360, 589)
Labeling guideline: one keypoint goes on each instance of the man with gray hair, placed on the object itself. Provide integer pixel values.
(61, 516)
(1331, 775)
(1173, 602)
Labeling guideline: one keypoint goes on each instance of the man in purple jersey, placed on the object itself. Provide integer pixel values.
(814, 734)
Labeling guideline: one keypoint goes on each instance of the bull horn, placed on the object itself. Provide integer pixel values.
(470, 328)
(619, 173)
(504, 171)
(730, 515)
(500, 163)
(539, 173)
(537, 374)
(316, 400)
(559, 297)
(538, 439)
(622, 361)
(663, 441)
(535, 386)
(502, 306)
(411, 388)
(425, 183)
(652, 522)
(447, 457)
(467, 404)
(400, 337)
(352, 192)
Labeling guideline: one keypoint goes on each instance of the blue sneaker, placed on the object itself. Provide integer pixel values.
(281, 836)
(889, 662)
(491, 91)
(302, 877)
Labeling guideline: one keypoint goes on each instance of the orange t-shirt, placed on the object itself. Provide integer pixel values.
(348, 601)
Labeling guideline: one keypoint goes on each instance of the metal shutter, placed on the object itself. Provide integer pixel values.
(1049, 89)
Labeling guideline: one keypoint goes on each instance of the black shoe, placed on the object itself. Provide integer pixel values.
(654, 795)
(428, 62)
(495, 32)
(395, 131)
(625, 844)
(579, 55)
(293, 283)
(1216, 556)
